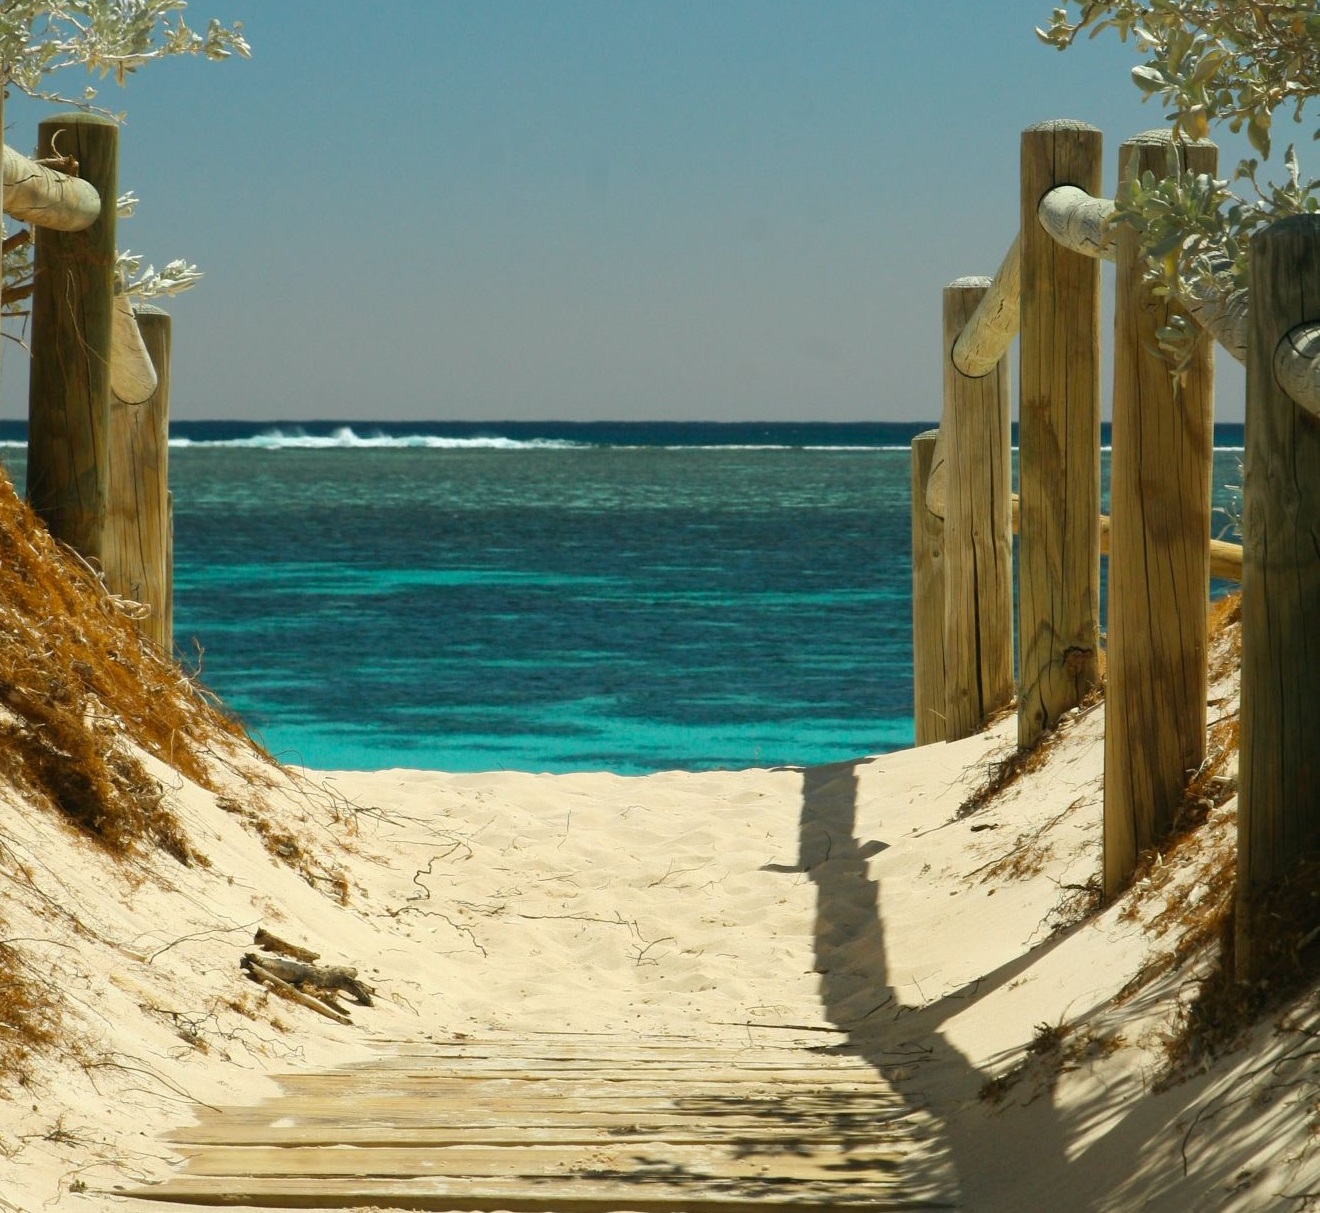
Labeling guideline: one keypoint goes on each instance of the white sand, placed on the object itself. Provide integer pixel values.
(850, 900)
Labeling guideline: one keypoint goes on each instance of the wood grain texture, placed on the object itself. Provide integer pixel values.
(1159, 552)
(1279, 774)
(522, 1124)
(1078, 221)
(136, 552)
(72, 316)
(990, 329)
(1297, 367)
(927, 599)
(43, 197)
(1059, 440)
(132, 375)
(978, 529)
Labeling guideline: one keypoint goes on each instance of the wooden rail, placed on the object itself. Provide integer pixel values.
(1080, 222)
(1161, 556)
(44, 197)
(1225, 558)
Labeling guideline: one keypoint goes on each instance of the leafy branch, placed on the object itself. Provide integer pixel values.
(39, 38)
(1233, 62)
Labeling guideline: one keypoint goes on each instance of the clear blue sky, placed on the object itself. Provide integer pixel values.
(691, 209)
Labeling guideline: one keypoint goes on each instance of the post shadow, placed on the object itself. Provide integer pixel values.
(904, 1046)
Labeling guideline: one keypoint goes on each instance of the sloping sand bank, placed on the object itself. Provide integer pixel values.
(957, 954)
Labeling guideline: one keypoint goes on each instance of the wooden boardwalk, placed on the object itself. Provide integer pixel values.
(566, 1124)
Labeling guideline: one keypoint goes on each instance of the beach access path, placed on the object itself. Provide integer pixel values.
(799, 989)
(719, 991)
(567, 1121)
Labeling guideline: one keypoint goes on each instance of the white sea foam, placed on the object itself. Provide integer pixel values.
(345, 438)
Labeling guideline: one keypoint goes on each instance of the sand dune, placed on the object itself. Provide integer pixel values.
(958, 954)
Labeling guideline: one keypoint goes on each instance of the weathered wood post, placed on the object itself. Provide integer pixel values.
(136, 551)
(927, 599)
(978, 529)
(167, 606)
(2, 180)
(72, 310)
(1159, 548)
(1058, 439)
(1279, 775)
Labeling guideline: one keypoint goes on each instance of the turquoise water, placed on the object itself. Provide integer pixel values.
(562, 598)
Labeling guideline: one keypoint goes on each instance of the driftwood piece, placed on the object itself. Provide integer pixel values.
(335, 977)
(273, 943)
(253, 966)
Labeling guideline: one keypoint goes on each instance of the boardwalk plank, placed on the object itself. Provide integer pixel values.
(690, 1163)
(574, 1125)
(563, 1196)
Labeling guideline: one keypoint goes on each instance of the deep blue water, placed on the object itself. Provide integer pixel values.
(551, 596)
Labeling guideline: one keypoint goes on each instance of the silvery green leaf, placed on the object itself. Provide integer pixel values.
(1149, 79)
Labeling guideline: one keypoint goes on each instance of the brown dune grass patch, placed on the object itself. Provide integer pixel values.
(76, 679)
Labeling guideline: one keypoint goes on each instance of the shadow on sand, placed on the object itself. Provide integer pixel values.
(977, 1155)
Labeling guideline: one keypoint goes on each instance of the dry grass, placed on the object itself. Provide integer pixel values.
(288, 848)
(1003, 773)
(28, 1019)
(76, 678)
(1055, 1050)
(1223, 1009)
(1186, 890)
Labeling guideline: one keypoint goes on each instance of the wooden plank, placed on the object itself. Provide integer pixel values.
(822, 1068)
(1159, 558)
(238, 1130)
(562, 1085)
(496, 1126)
(787, 1159)
(455, 1109)
(641, 1194)
(567, 1045)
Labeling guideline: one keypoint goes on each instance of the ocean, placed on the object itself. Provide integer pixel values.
(627, 597)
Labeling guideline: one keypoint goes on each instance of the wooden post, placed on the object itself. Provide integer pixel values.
(2, 182)
(136, 552)
(1279, 774)
(1058, 439)
(1159, 547)
(72, 310)
(978, 529)
(927, 599)
(167, 606)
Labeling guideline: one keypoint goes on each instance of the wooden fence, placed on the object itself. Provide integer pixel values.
(1161, 555)
(98, 400)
